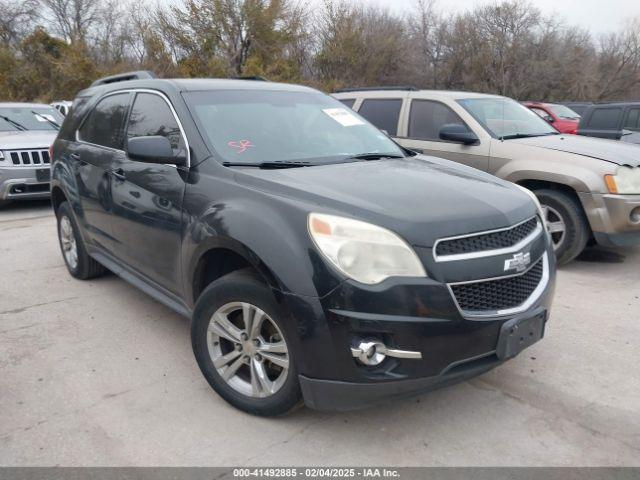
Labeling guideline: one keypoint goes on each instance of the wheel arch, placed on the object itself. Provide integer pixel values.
(221, 257)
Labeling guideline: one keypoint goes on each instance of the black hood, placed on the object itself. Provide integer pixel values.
(613, 151)
(421, 198)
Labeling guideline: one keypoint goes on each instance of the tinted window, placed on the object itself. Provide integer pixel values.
(383, 113)
(427, 119)
(348, 101)
(151, 115)
(605, 118)
(103, 126)
(633, 119)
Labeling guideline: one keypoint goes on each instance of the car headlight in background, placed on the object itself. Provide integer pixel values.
(362, 251)
(625, 181)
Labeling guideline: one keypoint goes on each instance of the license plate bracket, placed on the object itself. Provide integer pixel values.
(43, 174)
(519, 333)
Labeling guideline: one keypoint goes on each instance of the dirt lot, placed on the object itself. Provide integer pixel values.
(98, 373)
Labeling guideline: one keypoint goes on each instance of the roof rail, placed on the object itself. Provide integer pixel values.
(257, 78)
(123, 77)
(368, 89)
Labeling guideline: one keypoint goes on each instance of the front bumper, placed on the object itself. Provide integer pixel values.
(610, 217)
(408, 314)
(22, 183)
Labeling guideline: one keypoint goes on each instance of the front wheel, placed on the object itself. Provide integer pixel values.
(243, 347)
(566, 223)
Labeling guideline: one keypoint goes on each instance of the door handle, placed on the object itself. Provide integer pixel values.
(118, 174)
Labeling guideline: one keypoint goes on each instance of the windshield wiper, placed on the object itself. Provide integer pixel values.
(51, 122)
(527, 135)
(372, 156)
(19, 126)
(268, 165)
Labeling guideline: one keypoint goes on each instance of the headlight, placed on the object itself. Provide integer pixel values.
(364, 252)
(625, 181)
(537, 202)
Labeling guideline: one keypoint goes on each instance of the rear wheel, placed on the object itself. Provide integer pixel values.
(566, 223)
(79, 264)
(242, 346)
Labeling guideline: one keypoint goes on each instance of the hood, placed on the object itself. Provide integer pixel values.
(613, 151)
(29, 139)
(421, 198)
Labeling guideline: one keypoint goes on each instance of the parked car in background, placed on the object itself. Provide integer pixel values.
(578, 107)
(317, 259)
(589, 188)
(562, 118)
(62, 106)
(27, 130)
(614, 121)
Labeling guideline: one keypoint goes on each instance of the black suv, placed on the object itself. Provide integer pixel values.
(614, 121)
(317, 259)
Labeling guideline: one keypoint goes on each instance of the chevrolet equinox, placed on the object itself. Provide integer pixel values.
(318, 260)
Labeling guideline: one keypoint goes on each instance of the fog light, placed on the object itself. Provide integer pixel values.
(635, 215)
(373, 352)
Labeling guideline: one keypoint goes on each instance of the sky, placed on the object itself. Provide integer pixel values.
(599, 16)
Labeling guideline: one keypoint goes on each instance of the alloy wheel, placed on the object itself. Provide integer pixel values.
(248, 349)
(555, 225)
(68, 242)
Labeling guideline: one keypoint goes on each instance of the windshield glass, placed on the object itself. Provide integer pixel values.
(564, 112)
(257, 126)
(506, 118)
(24, 118)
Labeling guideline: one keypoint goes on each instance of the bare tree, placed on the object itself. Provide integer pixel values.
(72, 19)
(15, 19)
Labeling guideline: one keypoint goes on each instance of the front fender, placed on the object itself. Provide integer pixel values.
(270, 233)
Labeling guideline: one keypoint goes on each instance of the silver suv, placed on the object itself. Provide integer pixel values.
(589, 188)
(26, 132)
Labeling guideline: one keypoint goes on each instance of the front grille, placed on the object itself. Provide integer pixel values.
(500, 294)
(28, 157)
(487, 241)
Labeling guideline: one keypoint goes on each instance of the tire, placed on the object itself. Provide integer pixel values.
(282, 392)
(84, 267)
(561, 207)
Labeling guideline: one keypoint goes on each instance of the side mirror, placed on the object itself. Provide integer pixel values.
(454, 132)
(153, 149)
(549, 118)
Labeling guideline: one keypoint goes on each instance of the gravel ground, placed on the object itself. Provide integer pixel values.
(98, 373)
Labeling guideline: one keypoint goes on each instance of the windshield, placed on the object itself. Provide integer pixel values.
(29, 118)
(505, 118)
(564, 112)
(258, 126)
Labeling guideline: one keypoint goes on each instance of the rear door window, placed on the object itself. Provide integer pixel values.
(428, 117)
(104, 124)
(348, 101)
(384, 113)
(605, 119)
(633, 119)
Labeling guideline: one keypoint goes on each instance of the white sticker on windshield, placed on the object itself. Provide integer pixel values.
(343, 116)
(44, 117)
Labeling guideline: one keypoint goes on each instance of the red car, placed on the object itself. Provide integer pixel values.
(560, 117)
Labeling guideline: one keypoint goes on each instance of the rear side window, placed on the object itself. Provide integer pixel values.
(605, 119)
(104, 124)
(151, 115)
(383, 113)
(633, 120)
(348, 101)
(428, 117)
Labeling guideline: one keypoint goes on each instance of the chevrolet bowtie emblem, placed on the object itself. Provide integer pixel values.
(519, 262)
